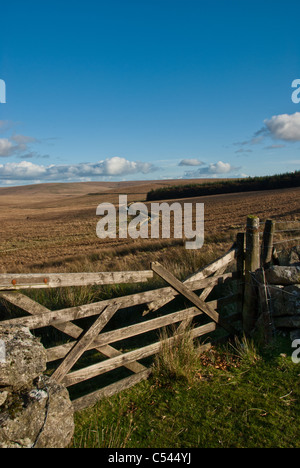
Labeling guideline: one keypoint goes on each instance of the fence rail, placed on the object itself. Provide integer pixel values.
(96, 336)
(58, 280)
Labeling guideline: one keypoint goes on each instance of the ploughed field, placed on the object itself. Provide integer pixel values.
(46, 226)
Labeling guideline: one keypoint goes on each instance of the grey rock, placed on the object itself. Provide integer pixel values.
(288, 257)
(287, 322)
(285, 300)
(294, 257)
(35, 412)
(39, 418)
(283, 275)
(25, 357)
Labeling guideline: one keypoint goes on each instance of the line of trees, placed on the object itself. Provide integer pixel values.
(278, 181)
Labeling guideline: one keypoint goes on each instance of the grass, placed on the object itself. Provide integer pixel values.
(178, 358)
(232, 396)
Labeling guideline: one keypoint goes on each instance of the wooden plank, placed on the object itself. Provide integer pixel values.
(252, 263)
(59, 352)
(117, 387)
(111, 352)
(267, 243)
(69, 328)
(92, 398)
(34, 308)
(83, 344)
(94, 370)
(191, 296)
(55, 318)
(203, 296)
(217, 267)
(59, 280)
(124, 333)
(58, 317)
(23, 302)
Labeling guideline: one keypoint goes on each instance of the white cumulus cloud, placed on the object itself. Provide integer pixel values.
(219, 168)
(121, 166)
(21, 171)
(284, 126)
(213, 169)
(28, 171)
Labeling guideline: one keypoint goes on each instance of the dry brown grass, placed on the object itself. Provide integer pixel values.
(53, 226)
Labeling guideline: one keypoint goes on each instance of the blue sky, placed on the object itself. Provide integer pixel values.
(152, 89)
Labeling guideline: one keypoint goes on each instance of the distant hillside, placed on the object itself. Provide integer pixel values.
(248, 184)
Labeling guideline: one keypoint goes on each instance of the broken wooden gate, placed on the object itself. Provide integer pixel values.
(97, 336)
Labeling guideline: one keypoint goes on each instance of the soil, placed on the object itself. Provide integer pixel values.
(41, 224)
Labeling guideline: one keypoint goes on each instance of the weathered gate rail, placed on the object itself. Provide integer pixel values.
(13, 288)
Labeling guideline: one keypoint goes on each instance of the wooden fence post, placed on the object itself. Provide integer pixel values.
(267, 243)
(252, 263)
(240, 264)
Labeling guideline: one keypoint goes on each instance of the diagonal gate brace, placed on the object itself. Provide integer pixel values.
(191, 296)
(83, 344)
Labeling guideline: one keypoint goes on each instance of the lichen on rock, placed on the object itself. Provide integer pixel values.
(35, 412)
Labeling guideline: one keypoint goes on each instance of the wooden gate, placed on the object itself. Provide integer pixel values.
(97, 336)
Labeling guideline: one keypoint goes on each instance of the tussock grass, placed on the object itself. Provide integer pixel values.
(178, 359)
(245, 349)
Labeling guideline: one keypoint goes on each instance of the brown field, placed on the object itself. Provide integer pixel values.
(53, 226)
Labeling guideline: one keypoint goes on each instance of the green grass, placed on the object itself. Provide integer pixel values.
(234, 396)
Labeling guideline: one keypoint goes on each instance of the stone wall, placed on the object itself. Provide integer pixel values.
(283, 286)
(34, 411)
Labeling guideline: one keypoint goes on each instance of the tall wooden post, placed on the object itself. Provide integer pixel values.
(240, 261)
(252, 263)
(267, 243)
